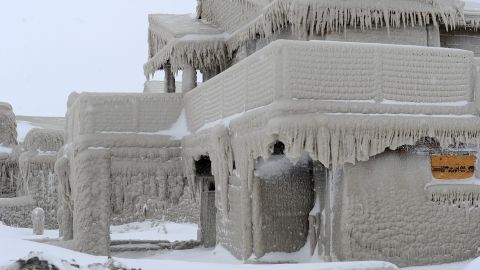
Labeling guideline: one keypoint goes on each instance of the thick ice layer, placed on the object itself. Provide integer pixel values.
(38, 180)
(319, 17)
(333, 77)
(8, 126)
(44, 140)
(204, 53)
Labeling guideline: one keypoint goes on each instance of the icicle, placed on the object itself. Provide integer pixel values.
(326, 16)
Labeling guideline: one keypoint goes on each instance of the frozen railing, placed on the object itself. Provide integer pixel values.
(92, 113)
(159, 87)
(324, 70)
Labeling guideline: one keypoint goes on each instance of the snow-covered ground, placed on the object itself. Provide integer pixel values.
(15, 244)
(154, 230)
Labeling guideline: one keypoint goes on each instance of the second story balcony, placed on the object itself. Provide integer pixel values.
(295, 77)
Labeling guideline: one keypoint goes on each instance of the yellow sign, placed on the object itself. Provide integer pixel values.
(453, 167)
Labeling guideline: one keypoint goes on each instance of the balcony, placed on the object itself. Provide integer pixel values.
(338, 77)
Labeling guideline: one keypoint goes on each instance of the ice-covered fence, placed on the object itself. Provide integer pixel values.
(327, 70)
(92, 113)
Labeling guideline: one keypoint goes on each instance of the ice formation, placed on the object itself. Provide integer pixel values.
(320, 17)
(38, 221)
(65, 202)
(37, 170)
(287, 145)
(8, 151)
(8, 125)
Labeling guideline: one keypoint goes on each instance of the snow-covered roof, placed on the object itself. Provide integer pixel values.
(182, 39)
(167, 27)
(181, 25)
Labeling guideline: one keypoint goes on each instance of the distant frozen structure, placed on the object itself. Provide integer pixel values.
(27, 177)
(8, 156)
(37, 170)
(38, 221)
(339, 128)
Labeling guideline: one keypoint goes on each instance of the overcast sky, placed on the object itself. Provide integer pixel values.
(49, 48)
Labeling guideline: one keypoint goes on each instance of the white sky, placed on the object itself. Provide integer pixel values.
(49, 48)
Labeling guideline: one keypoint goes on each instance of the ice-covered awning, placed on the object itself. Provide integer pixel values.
(182, 39)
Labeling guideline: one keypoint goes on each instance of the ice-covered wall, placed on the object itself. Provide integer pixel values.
(385, 214)
(405, 36)
(150, 183)
(37, 170)
(16, 212)
(92, 113)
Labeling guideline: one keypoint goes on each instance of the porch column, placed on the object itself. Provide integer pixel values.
(169, 78)
(91, 200)
(189, 78)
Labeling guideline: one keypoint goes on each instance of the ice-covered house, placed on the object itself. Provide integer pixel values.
(8, 159)
(27, 176)
(339, 128)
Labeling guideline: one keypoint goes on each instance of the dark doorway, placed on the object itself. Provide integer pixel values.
(208, 210)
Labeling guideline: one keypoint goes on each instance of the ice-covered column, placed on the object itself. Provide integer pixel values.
(169, 78)
(433, 36)
(90, 180)
(189, 78)
(38, 221)
(64, 212)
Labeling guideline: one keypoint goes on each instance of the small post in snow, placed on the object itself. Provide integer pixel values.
(38, 221)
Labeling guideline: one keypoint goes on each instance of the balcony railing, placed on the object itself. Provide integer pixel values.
(334, 71)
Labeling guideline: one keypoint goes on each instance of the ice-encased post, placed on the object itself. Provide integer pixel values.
(38, 221)
(169, 78)
(91, 200)
(64, 211)
(189, 78)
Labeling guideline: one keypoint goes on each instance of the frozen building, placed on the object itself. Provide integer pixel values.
(339, 128)
(8, 158)
(27, 176)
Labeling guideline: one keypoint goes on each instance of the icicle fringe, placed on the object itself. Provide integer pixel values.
(320, 17)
